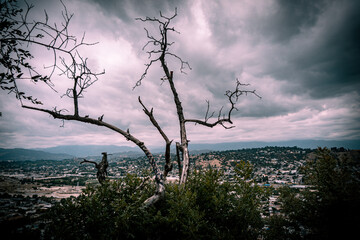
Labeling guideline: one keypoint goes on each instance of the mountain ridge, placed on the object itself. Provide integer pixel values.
(96, 150)
(21, 154)
(71, 151)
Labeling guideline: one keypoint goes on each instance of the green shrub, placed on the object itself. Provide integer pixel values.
(206, 208)
(328, 209)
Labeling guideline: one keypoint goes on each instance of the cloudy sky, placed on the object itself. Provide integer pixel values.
(302, 57)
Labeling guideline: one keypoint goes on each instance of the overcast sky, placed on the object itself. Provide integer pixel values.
(302, 57)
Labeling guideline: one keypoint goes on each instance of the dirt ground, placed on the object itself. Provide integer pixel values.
(13, 186)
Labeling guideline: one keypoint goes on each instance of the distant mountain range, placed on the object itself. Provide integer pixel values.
(88, 150)
(20, 154)
(96, 150)
(70, 151)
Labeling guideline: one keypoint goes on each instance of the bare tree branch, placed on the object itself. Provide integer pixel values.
(101, 168)
(168, 164)
(87, 161)
(159, 178)
(233, 97)
(83, 77)
(18, 32)
(161, 48)
(160, 44)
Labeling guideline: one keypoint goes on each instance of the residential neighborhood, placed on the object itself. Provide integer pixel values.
(29, 188)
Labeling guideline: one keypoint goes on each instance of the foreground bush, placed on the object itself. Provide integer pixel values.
(211, 207)
(207, 208)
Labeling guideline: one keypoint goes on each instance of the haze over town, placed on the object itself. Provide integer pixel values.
(301, 57)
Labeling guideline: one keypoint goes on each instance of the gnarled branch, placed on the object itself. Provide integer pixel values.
(168, 165)
(161, 45)
(159, 178)
(18, 32)
(162, 50)
(87, 161)
(233, 97)
(101, 168)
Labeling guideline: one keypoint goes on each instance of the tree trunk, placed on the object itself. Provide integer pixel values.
(186, 165)
(101, 168)
(184, 140)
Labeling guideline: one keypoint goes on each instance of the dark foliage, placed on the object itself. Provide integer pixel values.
(327, 210)
(14, 54)
(211, 207)
(207, 208)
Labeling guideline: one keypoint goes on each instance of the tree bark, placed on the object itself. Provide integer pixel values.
(180, 113)
(178, 159)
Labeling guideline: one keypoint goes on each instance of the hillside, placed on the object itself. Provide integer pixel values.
(89, 150)
(20, 154)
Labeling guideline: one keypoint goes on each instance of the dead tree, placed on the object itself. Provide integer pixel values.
(101, 167)
(72, 66)
(159, 52)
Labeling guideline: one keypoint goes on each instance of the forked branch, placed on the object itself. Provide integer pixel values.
(159, 178)
(161, 45)
(168, 165)
(233, 97)
(18, 32)
(159, 53)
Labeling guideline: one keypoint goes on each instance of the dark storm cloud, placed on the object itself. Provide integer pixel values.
(127, 10)
(328, 65)
(291, 17)
(315, 44)
(279, 22)
(300, 56)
